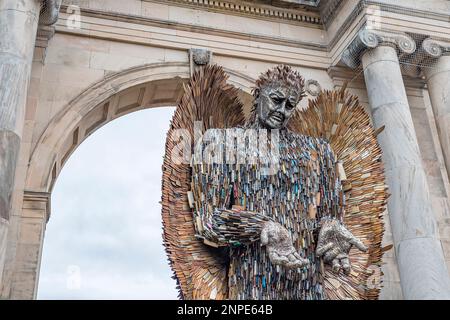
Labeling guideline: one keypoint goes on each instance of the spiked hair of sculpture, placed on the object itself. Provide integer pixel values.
(281, 75)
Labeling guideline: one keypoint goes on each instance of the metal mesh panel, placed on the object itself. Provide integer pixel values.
(417, 48)
(49, 12)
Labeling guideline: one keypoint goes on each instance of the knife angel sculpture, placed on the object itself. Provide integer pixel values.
(281, 204)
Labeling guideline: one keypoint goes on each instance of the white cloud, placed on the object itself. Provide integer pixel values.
(106, 216)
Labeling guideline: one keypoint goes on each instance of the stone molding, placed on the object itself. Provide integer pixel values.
(329, 11)
(369, 38)
(40, 200)
(252, 9)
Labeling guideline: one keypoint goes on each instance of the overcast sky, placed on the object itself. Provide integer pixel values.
(104, 237)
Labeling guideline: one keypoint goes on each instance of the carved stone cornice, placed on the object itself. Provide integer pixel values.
(370, 38)
(253, 9)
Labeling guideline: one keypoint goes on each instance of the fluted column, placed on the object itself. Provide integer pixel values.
(438, 82)
(422, 268)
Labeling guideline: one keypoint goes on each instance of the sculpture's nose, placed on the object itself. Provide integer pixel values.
(282, 106)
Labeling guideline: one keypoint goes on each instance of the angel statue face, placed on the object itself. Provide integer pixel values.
(277, 94)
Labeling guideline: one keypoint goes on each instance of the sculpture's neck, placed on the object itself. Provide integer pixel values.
(254, 123)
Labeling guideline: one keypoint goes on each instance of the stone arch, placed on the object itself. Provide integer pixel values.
(137, 88)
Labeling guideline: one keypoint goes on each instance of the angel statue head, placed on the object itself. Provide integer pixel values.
(277, 93)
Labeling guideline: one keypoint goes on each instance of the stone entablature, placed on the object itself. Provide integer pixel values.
(331, 42)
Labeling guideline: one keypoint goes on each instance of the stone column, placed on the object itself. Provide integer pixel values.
(438, 82)
(18, 25)
(422, 268)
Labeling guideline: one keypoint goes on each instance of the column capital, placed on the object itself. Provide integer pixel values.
(430, 50)
(435, 48)
(367, 39)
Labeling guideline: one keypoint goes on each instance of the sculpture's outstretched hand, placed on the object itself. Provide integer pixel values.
(334, 244)
(279, 246)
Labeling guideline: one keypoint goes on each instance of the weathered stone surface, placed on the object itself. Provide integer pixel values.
(9, 151)
(18, 25)
(4, 224)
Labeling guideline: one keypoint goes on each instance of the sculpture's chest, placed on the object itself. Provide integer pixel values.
(283, 185)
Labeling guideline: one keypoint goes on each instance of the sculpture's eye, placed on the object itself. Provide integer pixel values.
(276, 99)
(289, 105)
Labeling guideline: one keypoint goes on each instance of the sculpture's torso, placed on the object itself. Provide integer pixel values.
(290, 197)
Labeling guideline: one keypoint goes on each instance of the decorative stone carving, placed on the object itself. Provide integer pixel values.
(199, 57)
(435, 48)
(313, 87)
(430, 49)
(369, 39)
(292, 12)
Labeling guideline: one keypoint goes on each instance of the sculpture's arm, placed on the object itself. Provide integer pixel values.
(218, 221)
(223, 227)
(334, 239)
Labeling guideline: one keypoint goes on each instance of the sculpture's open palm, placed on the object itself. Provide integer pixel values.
(279, 246)
(334, 244)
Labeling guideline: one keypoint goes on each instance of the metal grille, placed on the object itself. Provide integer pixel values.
(417, 47)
